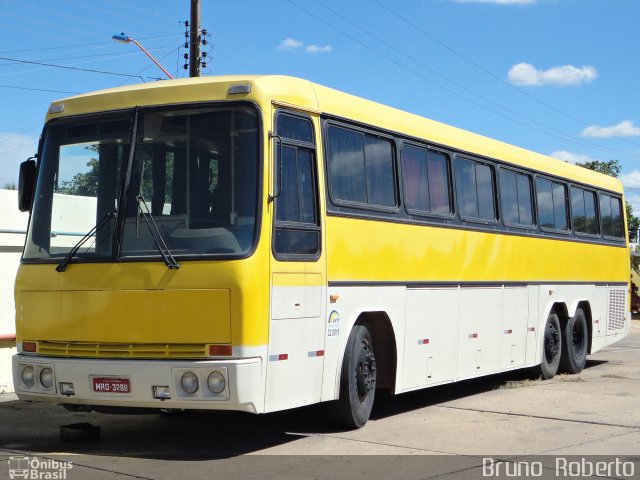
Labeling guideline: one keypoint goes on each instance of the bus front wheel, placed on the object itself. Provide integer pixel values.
(357, 380)
(575, 341)
(552, 350)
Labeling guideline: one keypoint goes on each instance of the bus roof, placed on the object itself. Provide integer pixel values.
(299, 93)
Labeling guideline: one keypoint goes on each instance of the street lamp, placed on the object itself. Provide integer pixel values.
(122, 38)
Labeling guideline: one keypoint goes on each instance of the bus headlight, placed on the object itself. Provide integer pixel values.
(46, 377)
(189, 383)
(28, 376)
(216, 382)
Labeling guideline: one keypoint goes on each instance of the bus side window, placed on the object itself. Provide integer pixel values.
(552, 204)
(297, 226)
(361, 168)
(475, 187)
(516, 198)
(425, 176)
(583, 211)
(611, 216)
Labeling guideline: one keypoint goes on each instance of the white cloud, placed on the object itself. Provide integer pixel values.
(626, 128)
(631, 179)
(526, 74)
(571, 157)
(319, 49)
(14, 149)
(290, 44)
(499, 2)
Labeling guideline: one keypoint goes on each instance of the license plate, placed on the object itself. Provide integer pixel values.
(111, 385)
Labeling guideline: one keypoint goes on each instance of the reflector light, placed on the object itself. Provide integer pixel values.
(423, 341)
(533, 329)
(275, 358)
(473, 335)
(67, 388)
(56, 108)
(220, 350)
(161, 392)
(508, 332)
(29, 347)
(237, 89)
(316, 353)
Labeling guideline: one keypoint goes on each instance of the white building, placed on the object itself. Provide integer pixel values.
(13, 226)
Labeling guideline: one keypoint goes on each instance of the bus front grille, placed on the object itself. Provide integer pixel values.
(121, 350)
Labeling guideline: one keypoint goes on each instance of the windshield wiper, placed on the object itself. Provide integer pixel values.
(62, 266)
(165, 253)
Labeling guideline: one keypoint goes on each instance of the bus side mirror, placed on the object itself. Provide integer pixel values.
(26, 185)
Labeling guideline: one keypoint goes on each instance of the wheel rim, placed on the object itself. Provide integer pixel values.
(551, 342)
(578, 338)
(365, 370)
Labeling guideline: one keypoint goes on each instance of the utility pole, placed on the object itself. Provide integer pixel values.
(194, 39)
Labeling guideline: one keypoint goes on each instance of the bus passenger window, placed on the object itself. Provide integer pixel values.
(425, 176)
(611, 216)
(516, 198)
(583, 211)
(361, 168)
(552, 204)
(475, 190)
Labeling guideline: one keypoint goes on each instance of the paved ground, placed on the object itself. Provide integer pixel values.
(594, 413)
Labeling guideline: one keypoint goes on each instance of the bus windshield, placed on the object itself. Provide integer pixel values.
(195, 169)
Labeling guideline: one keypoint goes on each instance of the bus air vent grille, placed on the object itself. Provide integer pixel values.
(122, 350)
(615, 319)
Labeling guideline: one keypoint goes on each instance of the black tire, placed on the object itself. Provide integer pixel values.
(552, 347)
(357, 380)
(575, 342)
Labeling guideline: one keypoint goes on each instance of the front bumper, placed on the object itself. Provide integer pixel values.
(244, 389)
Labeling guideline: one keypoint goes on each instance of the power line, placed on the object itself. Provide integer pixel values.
(110, 12)
(20, 147)
(558, 134)
(123, 5)
(76, 68)
(83, 45)
(94, 55)
(61, 27)
(497, 77)
(38, 89)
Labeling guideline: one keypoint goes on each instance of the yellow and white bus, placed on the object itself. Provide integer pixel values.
(260, 243)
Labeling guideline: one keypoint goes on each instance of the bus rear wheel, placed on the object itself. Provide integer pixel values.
(575, 343)
(357, 380)
(552, 350)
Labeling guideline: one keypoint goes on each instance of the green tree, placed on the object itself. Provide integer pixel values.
(10, 186)
(612, 167)
(82, 184)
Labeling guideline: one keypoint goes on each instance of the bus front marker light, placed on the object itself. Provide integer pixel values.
(216, 382)
(46, 377)
(189, 383)
(161, 392)
(28, 376)
(66, 388)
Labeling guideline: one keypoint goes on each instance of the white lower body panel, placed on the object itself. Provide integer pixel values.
(244, 388)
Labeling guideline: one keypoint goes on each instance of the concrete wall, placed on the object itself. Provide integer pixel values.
(13, 225)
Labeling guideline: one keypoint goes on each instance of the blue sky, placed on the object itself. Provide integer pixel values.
(555, 76)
